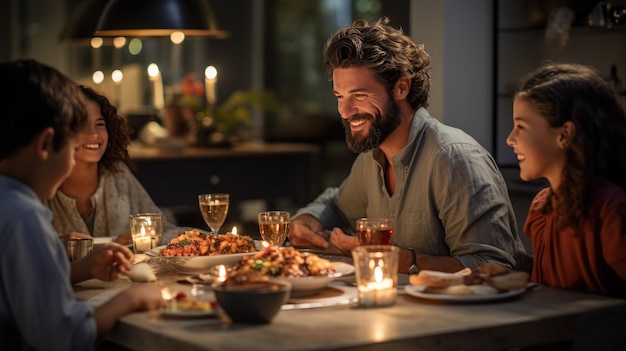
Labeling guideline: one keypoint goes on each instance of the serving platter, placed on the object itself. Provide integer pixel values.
(419, 291)
(197, 264)
(305, 286)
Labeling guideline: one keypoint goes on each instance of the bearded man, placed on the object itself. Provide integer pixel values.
(446, 197)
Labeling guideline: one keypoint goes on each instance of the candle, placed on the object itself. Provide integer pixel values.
(157, 86)
(222, 274)
(210, 80)
(380, 292)
(234, 230)
(117, 77)
(177, 39)
(142, 243)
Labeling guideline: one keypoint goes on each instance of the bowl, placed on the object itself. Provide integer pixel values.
(256, 303)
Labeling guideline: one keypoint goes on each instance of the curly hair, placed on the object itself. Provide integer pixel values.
(118, 130)
(597, 153)
(387, 51)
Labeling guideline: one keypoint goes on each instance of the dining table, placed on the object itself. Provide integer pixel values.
(331, 319)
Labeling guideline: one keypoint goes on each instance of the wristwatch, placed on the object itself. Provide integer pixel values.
(414, 269)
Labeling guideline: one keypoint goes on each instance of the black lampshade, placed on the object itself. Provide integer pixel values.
(81, 24)
(146, 18)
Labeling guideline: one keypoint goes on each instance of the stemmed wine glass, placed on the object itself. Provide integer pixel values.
(214, 208)
(274, 226)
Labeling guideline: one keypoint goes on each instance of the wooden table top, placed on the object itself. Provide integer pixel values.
(539, 316)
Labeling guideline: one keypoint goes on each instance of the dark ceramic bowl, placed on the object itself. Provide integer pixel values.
(252, 304)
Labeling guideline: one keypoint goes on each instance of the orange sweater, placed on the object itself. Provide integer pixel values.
(594, 263)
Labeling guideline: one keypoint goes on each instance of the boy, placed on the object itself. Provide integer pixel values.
(42, 112)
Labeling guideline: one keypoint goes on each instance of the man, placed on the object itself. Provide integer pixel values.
(444, 192)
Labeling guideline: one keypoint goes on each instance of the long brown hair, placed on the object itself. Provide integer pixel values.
(597, 153)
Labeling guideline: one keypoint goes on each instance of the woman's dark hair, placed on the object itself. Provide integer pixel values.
(387, 51)
(118, 130)
(597, 153)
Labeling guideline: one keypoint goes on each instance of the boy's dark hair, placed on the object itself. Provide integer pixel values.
(387, 51)
(34, 97)
(118, 130)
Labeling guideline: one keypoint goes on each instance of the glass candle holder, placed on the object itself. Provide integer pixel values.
(376, 270)
(146, 230)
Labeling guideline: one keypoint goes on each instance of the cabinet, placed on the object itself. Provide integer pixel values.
(521, 45)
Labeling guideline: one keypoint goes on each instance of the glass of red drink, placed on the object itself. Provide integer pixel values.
(374, 231)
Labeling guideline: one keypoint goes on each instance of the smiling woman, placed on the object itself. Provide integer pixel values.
(101, 192)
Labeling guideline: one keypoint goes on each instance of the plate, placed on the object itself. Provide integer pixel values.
(418, 291)
(188, 314)
(197, 264)
(304, 286)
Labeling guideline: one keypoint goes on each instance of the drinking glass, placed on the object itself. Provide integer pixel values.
(274, 226)
(374, 231)
(214, 208)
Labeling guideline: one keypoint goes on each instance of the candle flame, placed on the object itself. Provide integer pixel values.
(234, 230)
(210, 72)
(265, 243)
(153, 70)
(143, 231)
(166, 294)
(378, 274)
(222, 273)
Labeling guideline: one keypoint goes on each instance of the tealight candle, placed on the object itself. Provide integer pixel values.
(221, 277)
(376, 270)
(146, 230)
(142, 243)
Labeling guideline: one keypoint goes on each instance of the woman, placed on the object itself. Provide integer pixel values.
(101, 192)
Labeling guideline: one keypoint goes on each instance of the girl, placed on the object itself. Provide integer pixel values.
(569, 128)
(101, 192)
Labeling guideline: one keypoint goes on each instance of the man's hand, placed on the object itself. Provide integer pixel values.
(305, 231)
(345, 243)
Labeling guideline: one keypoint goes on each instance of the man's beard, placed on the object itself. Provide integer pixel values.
(379, 130)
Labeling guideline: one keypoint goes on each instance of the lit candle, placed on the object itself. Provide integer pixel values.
(380, 292)
(210, 80)
(142, 242)
(117, 77)
(234, 230)
(177, 39)
(157, 80)
(221, 274)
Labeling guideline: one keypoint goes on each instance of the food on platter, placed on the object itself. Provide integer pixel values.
(509, 281)
(285, 262)
(474, 283)
(181, 302)
(195, 243)
(435, 279)
(142, 273)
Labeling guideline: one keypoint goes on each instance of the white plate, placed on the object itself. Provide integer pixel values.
(418, 291)
(197, 264)
(188, 314)
(303, 286)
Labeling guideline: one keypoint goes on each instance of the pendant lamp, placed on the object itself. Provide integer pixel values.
(80, 26)
(150, 18)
